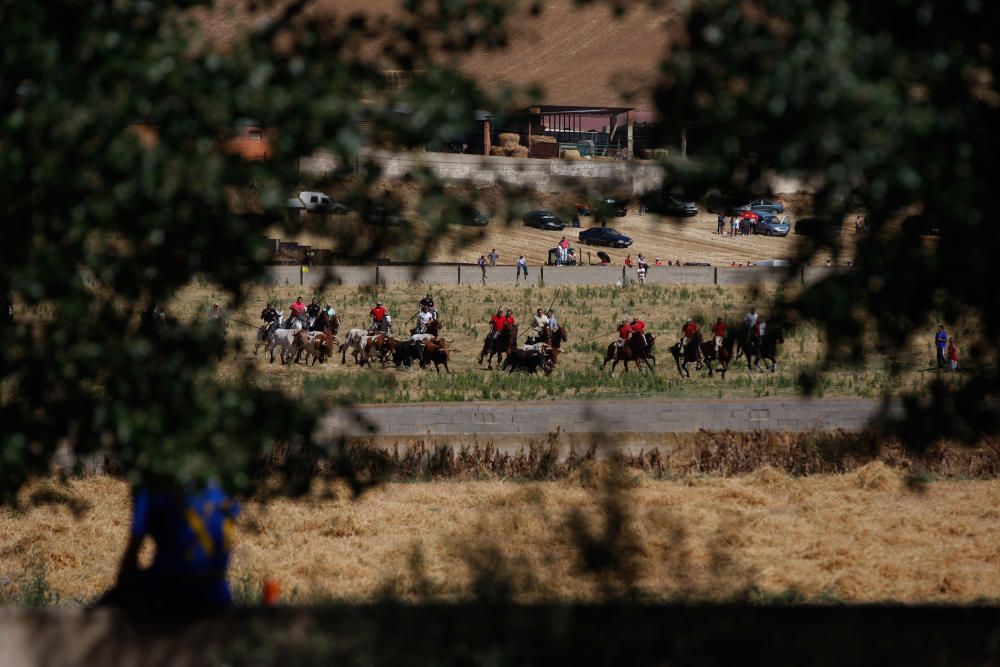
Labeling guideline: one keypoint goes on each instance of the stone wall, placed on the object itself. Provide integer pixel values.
(606, 416)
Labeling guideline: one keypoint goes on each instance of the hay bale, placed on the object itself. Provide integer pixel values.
(877, 476)
(543, 139)
(509, 139)
(570, 154)
(496, 151)
(519, 151)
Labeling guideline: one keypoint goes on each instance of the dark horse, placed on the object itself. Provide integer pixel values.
(433, 328)
(500, 344)
(692, 352)
(724, 355)
(551, 338)
(765, 347)
(326, 324)
(634, 350)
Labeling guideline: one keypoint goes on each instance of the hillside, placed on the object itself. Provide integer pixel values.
(577, 55)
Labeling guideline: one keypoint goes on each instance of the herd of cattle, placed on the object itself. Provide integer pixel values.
(294, 342)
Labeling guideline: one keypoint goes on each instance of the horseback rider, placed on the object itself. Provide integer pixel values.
(269, 314)
(380, 319)
(295, 310)
(624, 333)
(719, 332)
(758, 329)
(509, 321)
(639, 327)
(687, 332)
(553, 325)
(330, 311)
(424, 318)
(497, 324)
(312, 310)
(538, 324)
(749, 321)
(428, 303)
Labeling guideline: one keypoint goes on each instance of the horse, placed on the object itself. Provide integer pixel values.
(692, 352)
(433, 328)
(636, 349)
(500, 344)
(296, 323)
(765, 348)
(724, 356)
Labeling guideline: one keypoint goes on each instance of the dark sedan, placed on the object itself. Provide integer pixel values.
(605, 236)
(543, 220)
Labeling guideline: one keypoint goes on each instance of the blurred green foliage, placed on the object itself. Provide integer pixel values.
(116, 192)
(891, 108)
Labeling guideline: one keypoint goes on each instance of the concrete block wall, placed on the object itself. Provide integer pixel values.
(607, 416)
(553, 276)
(675, 275)
(759, 275)
(415, 275)
(812, 274)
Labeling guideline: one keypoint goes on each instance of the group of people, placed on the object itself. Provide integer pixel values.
(736, 226)
(947, 349)
(754, 324)
(505, 321)
(297, 310)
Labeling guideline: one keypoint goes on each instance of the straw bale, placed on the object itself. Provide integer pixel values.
(570, 154)
(543, 139)
(509, 139)
(496, 151)
(519, 151)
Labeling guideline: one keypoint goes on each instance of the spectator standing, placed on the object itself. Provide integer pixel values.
(721, 225)
(192, 532)
(564, 250)
(628, 261)
(658, 262)
(522, 267)
(941, 343)
(493, 257)
(952, 354)
(736, 227)
(482, 267)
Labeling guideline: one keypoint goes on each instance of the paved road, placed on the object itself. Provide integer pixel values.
(608, 416)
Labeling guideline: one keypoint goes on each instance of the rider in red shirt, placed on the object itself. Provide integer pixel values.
(378, 315)
(689, 330)
(497, 323)
(639, 327)
(624, 332)
(509, 320)
(719, 331)
(297, 307)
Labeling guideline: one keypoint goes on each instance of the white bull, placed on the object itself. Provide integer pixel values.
(357, 341)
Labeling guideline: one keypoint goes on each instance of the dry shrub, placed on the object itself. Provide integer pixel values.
(570, 154)
(769, 477)
(877, 476)
(509, 139)
(519, 151)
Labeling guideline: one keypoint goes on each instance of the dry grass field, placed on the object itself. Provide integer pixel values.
(860, 537)
(590, 315)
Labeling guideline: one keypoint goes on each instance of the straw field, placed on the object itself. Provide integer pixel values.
(590, 314)
(860, 536)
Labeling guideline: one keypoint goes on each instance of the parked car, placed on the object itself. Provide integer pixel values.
(609, 207)
(675, 206)
(770, 225)
(921, 224)
(605, 236)
(817, 227)
(383, 217)
(769, 205)
(476, 219)
(543, 220)
(318, 202)
(729, 204)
